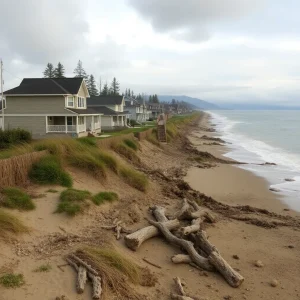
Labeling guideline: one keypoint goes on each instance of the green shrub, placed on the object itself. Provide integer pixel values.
(133, 122)
(73, 201)
(131, 144)
(105, 196)
(12, 280)
(134, 178)
(16, 198)
(11, 137)
(48, 170)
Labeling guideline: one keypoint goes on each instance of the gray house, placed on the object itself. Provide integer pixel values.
(51, 106)
(112, 108)
(138, 110)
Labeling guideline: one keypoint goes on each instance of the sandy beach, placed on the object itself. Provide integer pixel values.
(242, 235)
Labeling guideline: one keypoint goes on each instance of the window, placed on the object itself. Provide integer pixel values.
(4, 103)
(80, 102)
(69, 121)
(70, 102)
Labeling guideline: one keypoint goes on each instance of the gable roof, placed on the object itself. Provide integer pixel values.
(105, 100)
(107, 111)
(47, 86)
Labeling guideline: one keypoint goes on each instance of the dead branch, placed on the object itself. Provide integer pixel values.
(196, 225)
(151, 263)
(202, 241)
(181, 259)
(84, 264)
(179, 286)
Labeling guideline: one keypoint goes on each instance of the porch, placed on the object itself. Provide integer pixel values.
(73, 124)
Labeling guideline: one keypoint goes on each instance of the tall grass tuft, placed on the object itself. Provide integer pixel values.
(11, 137)
(16, 199)
(10, 224)
(73, 201)
(109, 161)
(134, 178)
(12, 280)
(49, 171)
(125, 151)
(131, 144)
(105, 197)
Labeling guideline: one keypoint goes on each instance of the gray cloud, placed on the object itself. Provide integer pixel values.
(38, 31)
(191, 20)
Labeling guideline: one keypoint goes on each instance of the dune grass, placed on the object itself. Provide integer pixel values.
(15, 198)
(117, 271)
(10, 224)
(105, 197)
(131, 144)
(11, 280)
(126, 152)
(73, 201)
(134, 178)
(48, 170)
(52, 191)
(43, 268)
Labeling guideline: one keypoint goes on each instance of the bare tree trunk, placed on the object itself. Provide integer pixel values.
(134, 240)
(187, 245)
(81, 279)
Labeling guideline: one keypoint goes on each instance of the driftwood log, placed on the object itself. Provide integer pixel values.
(232, 277)
(97, 288)
(159, 213)
(202, 241)
(194, 227)
(181, 259)
(187, 245)
(134, 240)
(81, 279)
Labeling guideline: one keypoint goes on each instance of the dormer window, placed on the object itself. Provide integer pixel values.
(81, 102)
(70, 102)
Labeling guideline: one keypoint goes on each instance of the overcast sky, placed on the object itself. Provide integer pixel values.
(217, 50)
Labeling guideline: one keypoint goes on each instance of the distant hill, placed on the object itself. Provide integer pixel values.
(194, 101)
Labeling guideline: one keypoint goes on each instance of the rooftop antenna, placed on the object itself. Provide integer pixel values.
(2, 100)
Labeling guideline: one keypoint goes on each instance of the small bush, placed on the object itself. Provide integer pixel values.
(133, 122)
(43, 268)
(11, 137)
(104, 196)
(73, 201)
(134, 178)
(10, 224)
(48, 170)
(16, 198)
(131, 144)
(12, 280)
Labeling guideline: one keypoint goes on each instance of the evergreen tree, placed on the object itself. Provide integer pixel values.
(79, 71)
(105, 90)
(59, 71)
(114, 87)
(128, 93)
(91, 85)
(155, 99)
(150, 98)
(49, 71)
(132, 94)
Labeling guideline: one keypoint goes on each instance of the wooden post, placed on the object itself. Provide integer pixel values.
(66, 124)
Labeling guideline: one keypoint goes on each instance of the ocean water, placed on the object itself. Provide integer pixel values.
(256, 137)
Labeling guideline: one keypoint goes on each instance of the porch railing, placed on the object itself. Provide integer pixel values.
(81, 127)
(61, 128)
(97, 125)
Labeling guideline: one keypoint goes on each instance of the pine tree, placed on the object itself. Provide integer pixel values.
(49, 71)
(105, 90)
(155, 99)
(59, 71)
(150, 98)
(79, 71)
(132, 94)
(128, 93)
(91, 85)
(114, 87)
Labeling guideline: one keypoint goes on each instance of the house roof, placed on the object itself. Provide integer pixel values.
(107, 111)
(47, 86)
(88, 111)
(105, 100)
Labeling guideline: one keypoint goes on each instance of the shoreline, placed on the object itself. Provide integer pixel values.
(231, 184)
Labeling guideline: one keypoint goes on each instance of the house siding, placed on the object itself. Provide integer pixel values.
(50, 105)
(35, 125)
